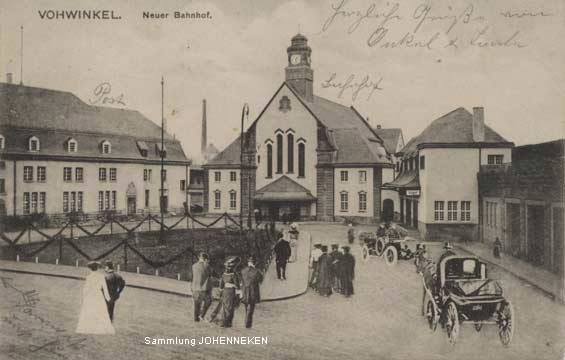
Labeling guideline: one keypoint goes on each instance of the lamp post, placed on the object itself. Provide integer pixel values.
(244, 113)
(162, 195)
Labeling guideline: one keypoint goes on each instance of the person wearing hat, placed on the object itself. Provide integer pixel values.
(282, 253)
(324, 282)
(335, 266)
(381, 231)
(93, 317)
(229, 283)
(201, 286)
(115, 284)
(251, 278)
(314, 257)
(347, 272)
(350, 233)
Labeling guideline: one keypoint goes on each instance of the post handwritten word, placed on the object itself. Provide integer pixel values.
(102, 96)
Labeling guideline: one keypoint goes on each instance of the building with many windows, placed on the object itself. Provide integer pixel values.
(437, 181)
(304, 156)
(59, 155)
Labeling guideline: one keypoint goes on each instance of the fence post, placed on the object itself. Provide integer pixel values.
(149, 222)
(126, 255)
(225, 220)
(29, 235)
(61, 248)
(111, 226)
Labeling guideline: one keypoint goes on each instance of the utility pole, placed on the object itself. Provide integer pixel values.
(161, 153)
(244, 112)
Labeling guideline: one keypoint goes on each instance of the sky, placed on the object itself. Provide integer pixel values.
(424, 58)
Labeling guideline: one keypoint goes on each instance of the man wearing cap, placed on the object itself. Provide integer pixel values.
(314, 256)
(250, 280)
(335, 258)
(347, 272)
(282, 253)
(115, 284)
(201, 286)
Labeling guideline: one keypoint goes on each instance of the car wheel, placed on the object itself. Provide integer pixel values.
(452, 323)
(380, 246)
(391, 255)
(506, 323)
(431, 315)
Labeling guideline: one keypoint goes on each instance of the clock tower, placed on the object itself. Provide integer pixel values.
(299, 74)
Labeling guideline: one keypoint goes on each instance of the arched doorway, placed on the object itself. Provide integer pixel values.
(388, 210)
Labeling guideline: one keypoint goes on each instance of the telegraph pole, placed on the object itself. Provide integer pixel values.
(161, 153)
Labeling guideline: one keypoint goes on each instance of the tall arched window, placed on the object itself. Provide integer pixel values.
(301, 160)
(279, 153)
(290, 149)
(269, 160)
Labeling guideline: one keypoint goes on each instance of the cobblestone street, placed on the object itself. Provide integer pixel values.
(381, 321)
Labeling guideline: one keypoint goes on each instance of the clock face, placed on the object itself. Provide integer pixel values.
(295, 59)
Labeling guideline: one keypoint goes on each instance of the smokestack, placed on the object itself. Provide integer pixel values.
(478, 124)
(379, 126)
(9, 78)
(204, 135)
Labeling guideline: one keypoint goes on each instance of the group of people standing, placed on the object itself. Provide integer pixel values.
(233, 286)
(99, 295)
(332, 272)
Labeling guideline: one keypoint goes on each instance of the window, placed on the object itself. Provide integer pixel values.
(269, 160)
(279, 154)
(233, 200)
(42, 202)
(344, 175)
(183, 185)
(290, 153)
(362, 176)
(113, 174)
(28, 173)
(107, 200)
(106, 147)
(344, 201)
(113, 200)
(452, 211)
(72, 146)
(422, 162)
(41, 173)
(284, 104)
(233, 176)
(146, 198)
(26, 203)
(438, 210)
(301, 160)
(33, 144)
(66, 202)
(79, 174)
(73, 201)
(2, 142)
(102, 174)
(495, 159)
(2, 186)
(34, 200)
(100, 200)
(68, 174)
(217, 199)
(147, 175)
(465, 211)
(79, 201)
(217, 176)
(362, 201)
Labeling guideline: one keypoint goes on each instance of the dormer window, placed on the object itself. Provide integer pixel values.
(2, 142)
(161, 151)
(72, 145)
(143, 149)
(106, 147)
(34, 144)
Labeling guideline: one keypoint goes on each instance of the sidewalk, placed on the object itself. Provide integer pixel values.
(543, 280)
(271, 290)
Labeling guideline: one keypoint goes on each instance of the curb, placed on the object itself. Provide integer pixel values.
(547, 293)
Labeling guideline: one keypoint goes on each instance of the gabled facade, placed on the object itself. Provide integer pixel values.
(437, 183)
(302, 141)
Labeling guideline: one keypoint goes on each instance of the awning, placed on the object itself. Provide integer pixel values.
(406, 180)
(284, 189)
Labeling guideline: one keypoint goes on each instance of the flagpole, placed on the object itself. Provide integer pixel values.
(161, 153)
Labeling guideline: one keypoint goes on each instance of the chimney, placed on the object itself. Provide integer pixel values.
(379, 126)
(204, 135)
(478, 124)
(9, 78)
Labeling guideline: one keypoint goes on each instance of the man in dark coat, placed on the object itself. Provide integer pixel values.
(347, 272)
(282, 253)
(335, 267)
(115, 284)
(324, 283)
(250, 280)
(201, 286)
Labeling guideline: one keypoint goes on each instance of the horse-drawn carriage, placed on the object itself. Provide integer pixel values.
(459, 292)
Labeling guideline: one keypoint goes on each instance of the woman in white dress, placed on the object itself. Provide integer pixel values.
(94, 318)
(292, 237)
